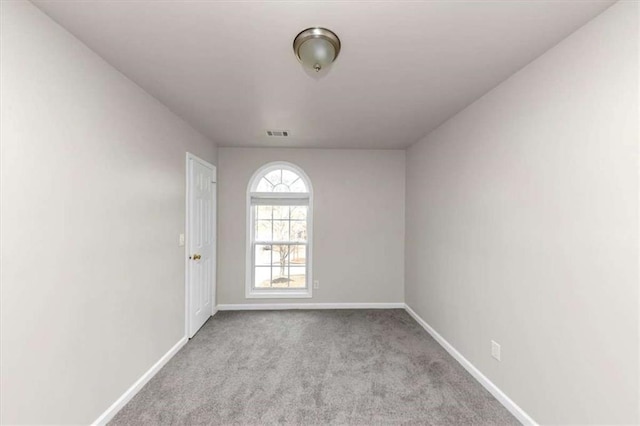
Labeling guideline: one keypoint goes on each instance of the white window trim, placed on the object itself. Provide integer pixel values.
(250, 292)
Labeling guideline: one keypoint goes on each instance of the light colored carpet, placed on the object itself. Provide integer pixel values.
(356, 367)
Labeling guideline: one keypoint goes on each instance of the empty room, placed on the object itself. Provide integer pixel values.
(319, 212)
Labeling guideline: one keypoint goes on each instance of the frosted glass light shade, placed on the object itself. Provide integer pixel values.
(317, 53)
(316, 48)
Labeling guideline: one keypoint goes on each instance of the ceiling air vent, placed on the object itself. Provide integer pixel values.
(278, 133)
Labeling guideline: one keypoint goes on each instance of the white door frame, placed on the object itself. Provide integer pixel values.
(187, 229)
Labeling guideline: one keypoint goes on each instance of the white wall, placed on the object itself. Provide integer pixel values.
(92, 205)
(522, 226)
(358, 219)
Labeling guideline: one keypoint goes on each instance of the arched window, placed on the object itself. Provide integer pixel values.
(279, 212)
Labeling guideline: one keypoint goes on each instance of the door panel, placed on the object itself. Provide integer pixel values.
(201, 243)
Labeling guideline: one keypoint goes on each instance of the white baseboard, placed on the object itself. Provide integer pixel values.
(133, 390)
(280, 306)
(508, 403)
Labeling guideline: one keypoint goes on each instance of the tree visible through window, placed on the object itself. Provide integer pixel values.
(279, 203)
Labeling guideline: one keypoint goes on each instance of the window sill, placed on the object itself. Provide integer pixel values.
(278, 294)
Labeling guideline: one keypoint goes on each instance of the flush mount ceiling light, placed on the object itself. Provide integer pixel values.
(316, 47)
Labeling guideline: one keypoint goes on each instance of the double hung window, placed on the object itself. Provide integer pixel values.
(279, 202)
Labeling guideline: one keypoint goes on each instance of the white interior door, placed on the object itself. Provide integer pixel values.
(201, 243)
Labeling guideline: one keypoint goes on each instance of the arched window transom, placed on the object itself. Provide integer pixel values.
(279, 204)
(281, 180)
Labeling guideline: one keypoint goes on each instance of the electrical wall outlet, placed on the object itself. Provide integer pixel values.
(495, 350)
(316, 284)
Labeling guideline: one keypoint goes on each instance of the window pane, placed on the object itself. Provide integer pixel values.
(298, 231)
(281, 212)
(298, 255)
(275, 255)
(280, 230)
(262, 277)
(280, 264)
(281, 188)
(299, 212)
(263, 255)
(275, 177)
(264, 186)
(288, 177)
(263, 212)
(298, 186)
(281, 254)
(280, 277)
(298, 277)
(263, 230)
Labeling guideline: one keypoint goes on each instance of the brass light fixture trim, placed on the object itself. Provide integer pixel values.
(314, 33)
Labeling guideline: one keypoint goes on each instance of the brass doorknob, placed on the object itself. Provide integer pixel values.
(196, 257)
